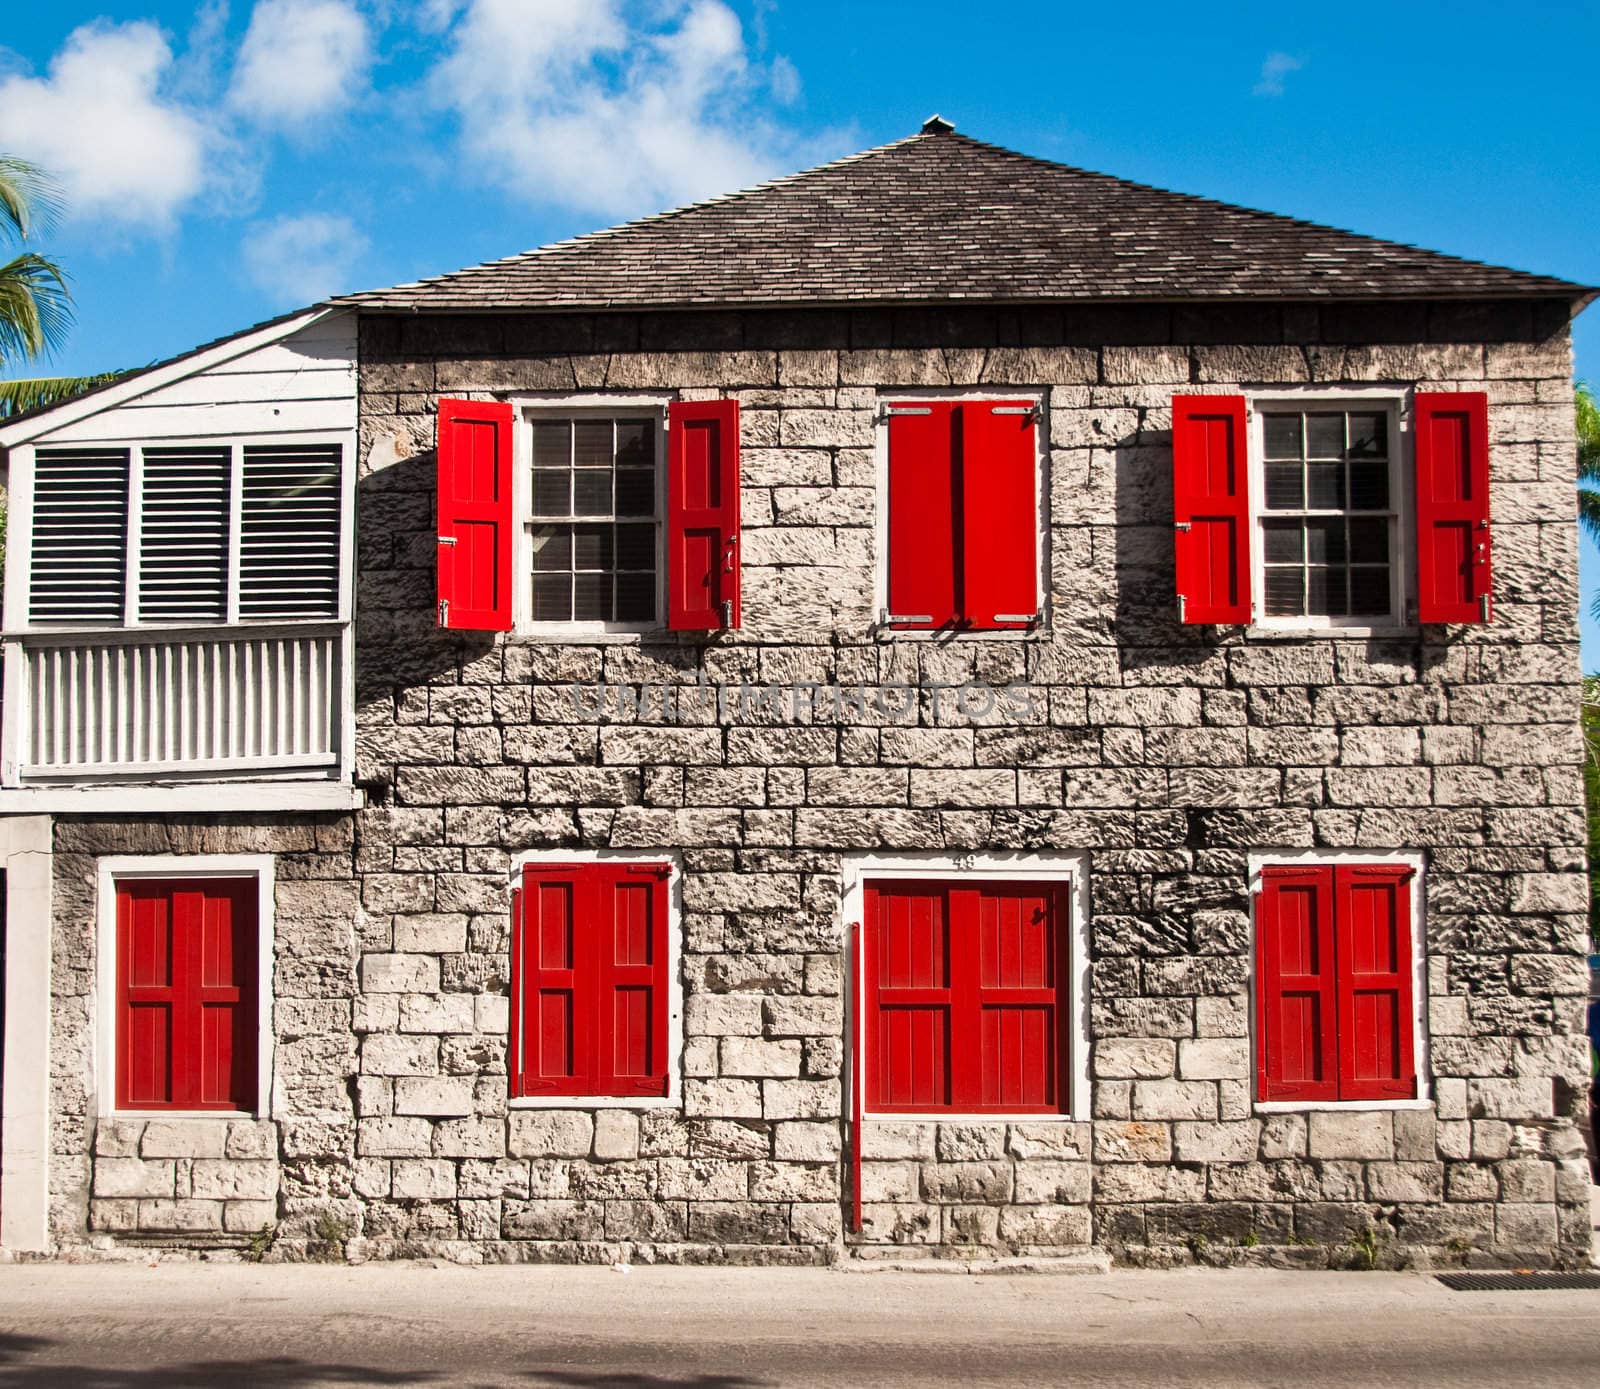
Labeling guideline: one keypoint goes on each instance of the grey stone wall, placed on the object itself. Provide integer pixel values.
(1165, 754)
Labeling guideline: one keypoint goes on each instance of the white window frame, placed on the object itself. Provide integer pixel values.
(1069, 868)
(581, 405)
(1333, 858)
(673, 1099)
(1396, 403)
(1039, 398)
(261, 868)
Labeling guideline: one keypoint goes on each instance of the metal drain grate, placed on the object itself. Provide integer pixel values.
(1517, 1282)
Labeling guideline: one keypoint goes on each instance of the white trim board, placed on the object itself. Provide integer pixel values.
(1312, 858)
(25, 1086)
(1071, 868)
(673, 1099)
(261, 867)
(197, 797)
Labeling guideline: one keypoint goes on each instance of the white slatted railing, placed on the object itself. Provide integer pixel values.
(140, 703)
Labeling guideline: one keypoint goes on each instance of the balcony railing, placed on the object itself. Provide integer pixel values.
(141, 703)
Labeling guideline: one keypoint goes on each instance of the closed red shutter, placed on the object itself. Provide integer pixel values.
(631, 997)
(1297, 1057)
(703, 515)
(186, 994)
(1452, 444)
(999, 514)
(1211, 506)
(589, 980)
(965, 998)
(476, 524)
(1376, 1020)
(924, 450)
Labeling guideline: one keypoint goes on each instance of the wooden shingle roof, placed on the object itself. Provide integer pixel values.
(940, 218)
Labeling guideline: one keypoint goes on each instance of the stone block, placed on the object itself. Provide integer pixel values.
(226, 1180)
(884, 1138)
(481, 1136)
(184, 1138)
(427, 1179)
(1405, 1181)
(180, 1217)
(553, 1220)
(252, 1138)
(800, 1099)
(1520, 1098)
(248, 1217)
(1134, 1057)
(751, 1056)
(966, 1182)
(1351, 1134)
(134, 1177)
(798, 1141)
(722, 1015)
(549, 1133)
(1237, 1141)
(1132, 1142)
(616, 1135)
(1213, 1058)
(1054, 1183)
(1174, 1099)
(435, 1096)
(970, 1142)
(391, 1137)
(390, 1054)
(441, 1013)
(399, 974)
(118, 1137)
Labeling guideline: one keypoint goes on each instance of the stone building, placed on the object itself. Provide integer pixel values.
(943, 705)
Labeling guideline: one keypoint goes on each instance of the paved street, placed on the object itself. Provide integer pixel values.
(121, 1326)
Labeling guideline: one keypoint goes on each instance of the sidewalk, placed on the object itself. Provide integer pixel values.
(117, 1326)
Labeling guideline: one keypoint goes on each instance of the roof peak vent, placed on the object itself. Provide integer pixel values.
(937, 125)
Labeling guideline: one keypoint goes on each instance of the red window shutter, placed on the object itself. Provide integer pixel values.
(1296, 1040)
(476, 524)
(966, 998)
(186, 994)
(1376, 1019)
(924, 450)
(1211, 505)
(1018, 1063)
(999, 519)
(703, 515)
(589, 980)
(1452, 444)
(631, 997)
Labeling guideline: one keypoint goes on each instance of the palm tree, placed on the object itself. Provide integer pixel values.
(1588, 421)
(35, 304)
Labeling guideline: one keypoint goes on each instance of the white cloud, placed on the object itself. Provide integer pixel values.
(301, 61)
(784, 79)
(607, 107)
(105, 124)
(303, 259)
(1276, 67)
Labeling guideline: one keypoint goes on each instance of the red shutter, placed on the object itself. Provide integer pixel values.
(186, 994)
(1297, 1056)
(999, 519)
(1020, 1051)
(589, 980)
(631, 997)
(966, 995)
(1452, 444)
(924, 451)
(476, 525)
(1376, 1021)
(555, 1043)
(1211, 505)
(703, 515)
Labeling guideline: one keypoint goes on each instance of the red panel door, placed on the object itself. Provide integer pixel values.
(908, 1022)
(1453, 571)
(187, 994)
(1376, 1045)
(1211, 508)
(630, 950)
(554, 1039)
(1016, 949)
(999, 520)
(1297, 1056)
(925, 535)
(476, 521)
(703, 515)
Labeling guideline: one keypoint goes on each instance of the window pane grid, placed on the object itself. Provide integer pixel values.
(1328, 528)
(593, 530)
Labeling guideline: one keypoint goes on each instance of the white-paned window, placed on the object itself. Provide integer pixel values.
(593, 525)
(1328, 520)
(185, 534)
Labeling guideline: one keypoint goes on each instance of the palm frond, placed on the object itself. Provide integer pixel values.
(30, 200)
(1588, 428)
(1589, 513)
(17, 396)
(35, 307)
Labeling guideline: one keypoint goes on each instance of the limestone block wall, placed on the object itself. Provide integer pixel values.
(1166, 755)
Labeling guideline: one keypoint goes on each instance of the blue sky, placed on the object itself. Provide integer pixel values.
(227, 161)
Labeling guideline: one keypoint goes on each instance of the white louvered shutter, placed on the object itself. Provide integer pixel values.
(80, 535)
(289, 531)
(183, 542)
